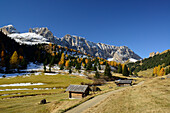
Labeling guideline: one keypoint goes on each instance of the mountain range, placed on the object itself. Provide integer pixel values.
(44, 35)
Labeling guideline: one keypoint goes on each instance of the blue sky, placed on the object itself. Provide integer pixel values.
(142, 25)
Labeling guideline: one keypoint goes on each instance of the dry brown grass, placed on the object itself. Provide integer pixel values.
(146, 73)
(151, 97)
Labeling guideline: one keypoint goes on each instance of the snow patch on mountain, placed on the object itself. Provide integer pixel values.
(132, 60)
(29, 38)
(110, 59)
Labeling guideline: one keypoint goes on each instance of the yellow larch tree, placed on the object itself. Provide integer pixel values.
(67, 64)
(86, 61)
(56, 53)
(14, 60)
(62, 59)
(158, 69)
(50, 44)
(2, 54)
(162, 72)
(101, 62)
(53, 54)
(123, 65)
(155, 71)
(79, 60)
(115, 64)
(83, 64)
(2, 58)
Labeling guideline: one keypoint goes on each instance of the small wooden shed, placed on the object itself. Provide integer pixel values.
(123, 82)
(78, 91)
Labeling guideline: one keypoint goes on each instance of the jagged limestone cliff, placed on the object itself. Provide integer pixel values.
(119, 54)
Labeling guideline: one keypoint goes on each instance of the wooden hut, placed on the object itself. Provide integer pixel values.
(78, 91)
(123, 82)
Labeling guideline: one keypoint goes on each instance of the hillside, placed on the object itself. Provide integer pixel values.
(44, 35)
(152, 96)
(147, 63)
(24, 55)
(16, 56)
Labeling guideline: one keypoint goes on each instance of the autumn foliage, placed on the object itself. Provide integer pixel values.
(14, 61)
(158, 71)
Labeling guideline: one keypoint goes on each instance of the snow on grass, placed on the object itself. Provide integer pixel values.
(21, 84)
(39, 67)
(30, 67)
(27, 89)
(50, 73)
(14, 89)
(37, 73)
(34, 67)
(12, 74)
(79, 74)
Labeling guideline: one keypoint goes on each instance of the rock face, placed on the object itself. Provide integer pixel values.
(9, 29)
(153, 54)
(44, 31)
(118, 54)
(115, 53)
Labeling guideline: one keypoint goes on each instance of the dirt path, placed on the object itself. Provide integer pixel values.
(84, 106)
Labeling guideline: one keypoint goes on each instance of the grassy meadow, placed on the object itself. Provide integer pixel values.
(27, 101)
(146, 73)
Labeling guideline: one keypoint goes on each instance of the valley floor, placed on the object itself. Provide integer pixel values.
(151, 96)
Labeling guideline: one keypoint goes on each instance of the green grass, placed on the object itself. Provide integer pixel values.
(60, 82)
(50, 80)
(29, 103)
(57, 99)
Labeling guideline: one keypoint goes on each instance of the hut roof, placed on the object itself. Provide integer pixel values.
(125, 81)
(77, 88)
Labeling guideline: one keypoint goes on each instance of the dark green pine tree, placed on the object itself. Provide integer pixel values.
(119, 68)
(62, 67)
(125, 71)
(78, 66)
(23, 64)
(107, 71)
(50, 67)
(44, 68)
(70, 71)
(70, 64)
(99, 67)
(130, 72)
(97, 75)
(94, 68)
(45, 63)
(52, 60)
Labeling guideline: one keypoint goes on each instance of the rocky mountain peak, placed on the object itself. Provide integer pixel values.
(9, 29)
(43, 34)
(43, 31)
(153, 54)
